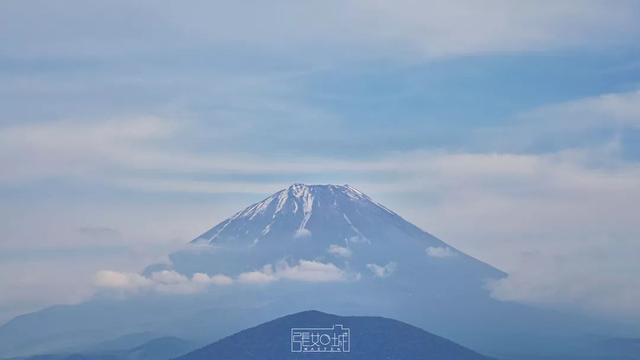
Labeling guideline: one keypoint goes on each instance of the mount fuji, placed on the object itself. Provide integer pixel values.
(325, 247)
(334, 229)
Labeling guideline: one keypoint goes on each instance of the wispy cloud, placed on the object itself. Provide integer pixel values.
(382, 271)
(584, 122)
(337, 29)
(339, 250)
(138, 152)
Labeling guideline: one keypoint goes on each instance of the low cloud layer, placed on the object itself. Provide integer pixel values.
(172, 282)
(166, 281)
(304, 270)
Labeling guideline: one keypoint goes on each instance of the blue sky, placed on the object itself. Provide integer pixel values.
(509, 131)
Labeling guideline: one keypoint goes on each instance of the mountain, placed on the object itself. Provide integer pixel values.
(326, 247)
(622, 348)
(128, 341)
(369, 338)
(329, 223)
(157, 349)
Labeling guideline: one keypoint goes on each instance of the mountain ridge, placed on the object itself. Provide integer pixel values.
(370, 337)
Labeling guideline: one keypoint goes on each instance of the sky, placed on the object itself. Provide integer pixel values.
(510, 130)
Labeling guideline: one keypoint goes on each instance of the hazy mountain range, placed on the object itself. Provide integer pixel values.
(324, 247)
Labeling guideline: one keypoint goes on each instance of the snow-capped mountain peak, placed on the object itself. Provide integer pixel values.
(297, 205)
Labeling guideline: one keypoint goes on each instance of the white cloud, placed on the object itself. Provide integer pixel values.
(165, 281)
(440, 251)
(382, 271)
(168, 281)
(339, 250)
(119, 280)
(310, 271)
(217, 279)
(599, 282)
(613, 110)
(168, 277)
(78, 149)
(263, 276)
(304, 270)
